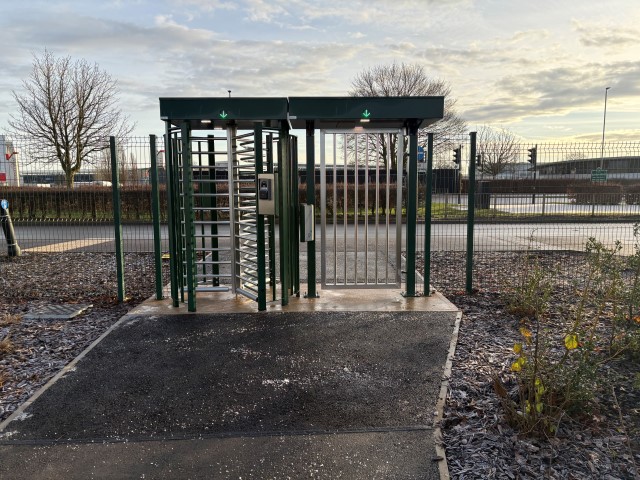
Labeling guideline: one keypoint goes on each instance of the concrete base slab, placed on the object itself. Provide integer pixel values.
(57, 312)
(328, 300)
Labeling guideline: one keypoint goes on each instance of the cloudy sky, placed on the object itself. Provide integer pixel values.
(538, 68)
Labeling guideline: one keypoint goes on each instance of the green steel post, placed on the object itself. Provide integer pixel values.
(189, 230)
(117, 218)
(427, 216)
(173, 274)
(178, 214)
(198, 203)
(311, 200)
(212, 202)
(155, 211)
(260, 237)
(295, 218)
(412, 211)
(272, 226)
(471, 211)
(285, 211)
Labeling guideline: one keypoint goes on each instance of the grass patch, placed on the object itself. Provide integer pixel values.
(9, 319)
(6, 347)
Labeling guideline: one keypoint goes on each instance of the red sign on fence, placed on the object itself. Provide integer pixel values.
(3, 177)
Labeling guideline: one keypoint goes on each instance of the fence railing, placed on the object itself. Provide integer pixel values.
(573, 192)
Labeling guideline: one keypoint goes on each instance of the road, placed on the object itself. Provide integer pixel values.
(451, 237)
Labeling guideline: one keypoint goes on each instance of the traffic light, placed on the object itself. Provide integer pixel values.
(479, 160)
(533, 155)
(457, 155)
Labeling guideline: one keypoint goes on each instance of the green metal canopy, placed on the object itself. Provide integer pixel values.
(325, 112)
(214, 112)
(348, 112)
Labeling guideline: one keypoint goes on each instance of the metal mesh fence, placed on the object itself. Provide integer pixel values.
(575, 191)
(52, 213)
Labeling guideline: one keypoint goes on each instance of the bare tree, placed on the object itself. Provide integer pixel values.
(407, 80)
(69, 106)
(497, 149)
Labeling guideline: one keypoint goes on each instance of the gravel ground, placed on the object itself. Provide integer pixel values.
(478, 440)
(33, 351)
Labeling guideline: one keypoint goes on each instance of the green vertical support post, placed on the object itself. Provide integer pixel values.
(427, 217)
(412, 211)
(471, 211)
(155, 212)
(117, 218)
(260, 237)
(272, 225)
(189, 231)
(285, 211)
(311, 200)
(211, 188)
(294, 259)
(171, 214)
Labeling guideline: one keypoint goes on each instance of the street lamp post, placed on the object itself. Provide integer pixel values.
(604, 122)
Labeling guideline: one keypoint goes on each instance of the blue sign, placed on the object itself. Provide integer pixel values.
(4, 204)
(420, 153)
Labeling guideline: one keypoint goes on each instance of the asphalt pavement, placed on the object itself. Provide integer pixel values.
(300, 394)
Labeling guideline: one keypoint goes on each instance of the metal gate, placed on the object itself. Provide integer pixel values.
(224, 245)
(361, 208)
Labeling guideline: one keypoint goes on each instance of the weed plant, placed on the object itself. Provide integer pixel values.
(564, 345)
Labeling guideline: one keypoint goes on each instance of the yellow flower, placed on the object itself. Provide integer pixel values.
(525, 332)
(517, 348)
(571, 341)
(518, 364)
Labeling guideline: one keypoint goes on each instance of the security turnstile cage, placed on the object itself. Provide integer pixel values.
(223, 243)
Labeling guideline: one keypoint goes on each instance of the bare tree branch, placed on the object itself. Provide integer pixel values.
(408, 80)
(69, 106)
(497, 149)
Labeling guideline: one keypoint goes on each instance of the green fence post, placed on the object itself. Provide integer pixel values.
(412, 211)
(189, 229)
(260, 236)
(117, 218)
(471, 211)
(427, 216)
(272, 224)
(311, 200)
(172, 216)
(295, 217)
(155, 211)
(284, 159)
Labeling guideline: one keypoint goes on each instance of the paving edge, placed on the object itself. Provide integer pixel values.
(443, 466)
(66, 369)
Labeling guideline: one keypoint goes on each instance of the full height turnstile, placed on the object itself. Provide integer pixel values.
(220, 239)
(227, 158)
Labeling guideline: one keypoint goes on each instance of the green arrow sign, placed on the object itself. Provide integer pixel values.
(366, 113)
(223, 114)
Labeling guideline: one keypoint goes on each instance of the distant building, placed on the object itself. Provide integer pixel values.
(625, 167)
(513, 171)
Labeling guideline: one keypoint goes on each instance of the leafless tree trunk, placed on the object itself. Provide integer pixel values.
(406, 80)
(69, 106)
(497, 149)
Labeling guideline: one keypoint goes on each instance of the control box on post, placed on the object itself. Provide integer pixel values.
(267, 194)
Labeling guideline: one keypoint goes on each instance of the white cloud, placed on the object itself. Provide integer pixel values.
(505, 65)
